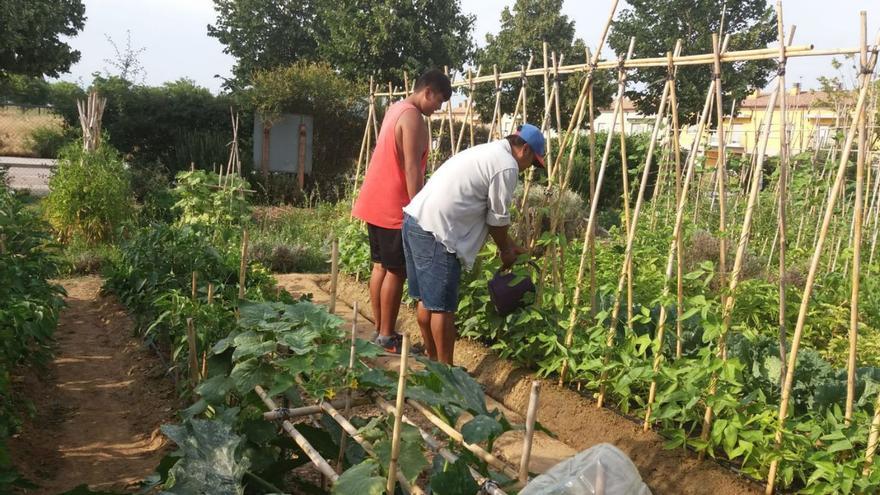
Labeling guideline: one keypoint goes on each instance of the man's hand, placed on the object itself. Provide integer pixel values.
(509, 256)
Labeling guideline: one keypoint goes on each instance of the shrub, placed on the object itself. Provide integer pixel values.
(173, 124)
(47, 141)
(200, 202)
(89, 194)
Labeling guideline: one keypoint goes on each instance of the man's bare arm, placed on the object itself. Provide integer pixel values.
(507, 249)
(413, 143)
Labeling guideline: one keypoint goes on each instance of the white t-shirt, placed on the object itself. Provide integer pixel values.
(468, 193)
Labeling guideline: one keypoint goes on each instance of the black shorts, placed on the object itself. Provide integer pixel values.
(386, 247)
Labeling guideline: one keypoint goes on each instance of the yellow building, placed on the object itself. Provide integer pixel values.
(811, 116)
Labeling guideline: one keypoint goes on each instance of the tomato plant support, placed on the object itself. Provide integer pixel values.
(398, 414)
(531, 418)
(865, 82)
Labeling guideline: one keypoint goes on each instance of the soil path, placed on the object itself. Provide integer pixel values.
(99, 404)
(574, 418)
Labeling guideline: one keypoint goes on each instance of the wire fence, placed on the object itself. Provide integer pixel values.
(18, 125)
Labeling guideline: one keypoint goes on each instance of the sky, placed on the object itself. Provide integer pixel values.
(173, 35)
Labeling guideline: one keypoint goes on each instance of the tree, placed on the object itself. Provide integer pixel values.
(522, 33)
(657, 25)
(358, 38)
(385, 38)
(126, 61)
(264, 35)
(30, 31)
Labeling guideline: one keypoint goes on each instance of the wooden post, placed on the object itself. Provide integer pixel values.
(242, 269)
(301, 158)
(865, 81)
(194, 287)
(398, 416)
(264, 160)
(531, 418)
(193, 353)
(334, 274)
(351, 359)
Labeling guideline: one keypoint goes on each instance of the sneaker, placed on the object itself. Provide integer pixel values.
(394, 344)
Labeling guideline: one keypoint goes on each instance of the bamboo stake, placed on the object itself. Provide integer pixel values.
(300, 440)
(865, 80)
(351, 357)
(468, 108)
(594, 296)
(496, 114)
(398, 414)
(676, 149)
(631, 235)
(489, 486)
(194, 293)
(676, 233)
(334, 274)
(455, 435)
(626, 219)
(298, 412)
(857, 237)
(364, 141)
(531, 417)
(684, 60)
(783, 183)
(242, 269)
(348, 428)
(548, 152)
(193, 353)
(721, 169)
(451, 123)
(591, 223)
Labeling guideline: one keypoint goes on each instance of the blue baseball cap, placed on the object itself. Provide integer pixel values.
(535, 139)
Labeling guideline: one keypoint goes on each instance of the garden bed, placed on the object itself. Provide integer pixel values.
(572, 417)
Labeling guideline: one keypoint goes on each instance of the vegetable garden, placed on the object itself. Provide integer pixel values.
(732, 309)
(732, 305)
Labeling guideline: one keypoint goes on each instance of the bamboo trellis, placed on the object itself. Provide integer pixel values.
(864, 210)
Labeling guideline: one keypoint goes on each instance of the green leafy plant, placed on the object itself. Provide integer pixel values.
(90, 193)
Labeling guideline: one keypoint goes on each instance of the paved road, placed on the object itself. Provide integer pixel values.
(28, 173)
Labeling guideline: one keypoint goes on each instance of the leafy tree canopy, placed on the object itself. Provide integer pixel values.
(30, 31)
(385, 38)
(523, 31)
(657, 25)
(262, 35)
(358, 38)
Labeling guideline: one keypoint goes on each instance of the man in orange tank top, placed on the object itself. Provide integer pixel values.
(396, 173)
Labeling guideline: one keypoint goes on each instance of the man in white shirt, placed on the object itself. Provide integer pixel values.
(447, 222)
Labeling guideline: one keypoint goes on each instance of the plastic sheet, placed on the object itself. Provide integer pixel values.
(600, 470)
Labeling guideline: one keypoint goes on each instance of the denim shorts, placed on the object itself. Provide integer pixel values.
(433, 272)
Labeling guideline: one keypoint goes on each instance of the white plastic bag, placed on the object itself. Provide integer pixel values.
(600, 470)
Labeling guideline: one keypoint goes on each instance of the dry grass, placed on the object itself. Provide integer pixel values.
(17, 124)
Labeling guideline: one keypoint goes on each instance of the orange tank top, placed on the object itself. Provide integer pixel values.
(383, 193)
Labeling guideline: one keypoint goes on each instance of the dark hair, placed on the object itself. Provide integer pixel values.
(437, 81)
(515, 140)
